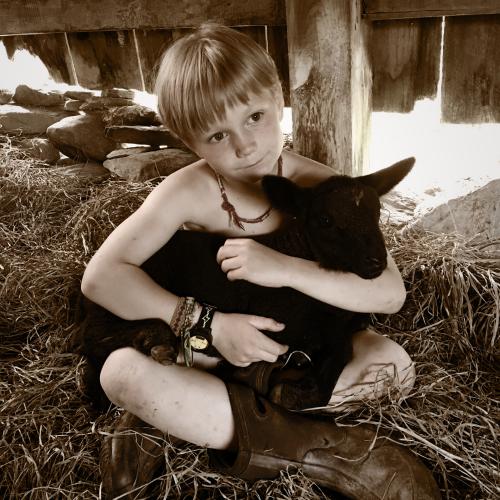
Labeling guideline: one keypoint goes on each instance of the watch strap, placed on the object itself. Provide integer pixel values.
(200, 335)
(206, 316)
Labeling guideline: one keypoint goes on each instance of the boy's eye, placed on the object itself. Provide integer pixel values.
(217, 137)
(255, 117)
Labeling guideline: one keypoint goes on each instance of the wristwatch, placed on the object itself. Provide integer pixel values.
(200, 336)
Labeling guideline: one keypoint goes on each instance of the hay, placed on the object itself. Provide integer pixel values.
(51, 224)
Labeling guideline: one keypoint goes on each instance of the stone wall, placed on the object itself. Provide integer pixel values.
(91, 133)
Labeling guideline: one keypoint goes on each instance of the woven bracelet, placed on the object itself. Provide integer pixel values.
(178, 317)
(190, 304)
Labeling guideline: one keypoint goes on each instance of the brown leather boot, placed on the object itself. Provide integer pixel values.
(131, 458)
(349, 460)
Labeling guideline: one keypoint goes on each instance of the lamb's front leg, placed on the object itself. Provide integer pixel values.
(155, 338)
(102, 332)
(296, 389)
(308, 386)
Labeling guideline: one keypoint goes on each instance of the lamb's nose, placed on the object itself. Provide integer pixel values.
(376, 262)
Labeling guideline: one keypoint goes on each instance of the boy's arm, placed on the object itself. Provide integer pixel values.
(246, 259)
(113, 277)
(385, 294)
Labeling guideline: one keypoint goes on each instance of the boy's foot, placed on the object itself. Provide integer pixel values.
(353, 461)
(132, 457)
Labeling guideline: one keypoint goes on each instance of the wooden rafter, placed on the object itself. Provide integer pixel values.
(51, 16)
(413, 9)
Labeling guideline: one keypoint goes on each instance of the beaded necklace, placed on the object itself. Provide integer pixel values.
(226, 205)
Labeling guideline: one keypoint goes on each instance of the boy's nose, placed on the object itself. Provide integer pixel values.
(244, 144)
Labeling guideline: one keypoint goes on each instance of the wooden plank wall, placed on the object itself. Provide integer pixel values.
(50, 16)
(50, 48)
(405, 62)
(151, 44)
(413, 9)
(405, 56)
(404, 53)
(471, 70)
(106, 59)
(127, 58)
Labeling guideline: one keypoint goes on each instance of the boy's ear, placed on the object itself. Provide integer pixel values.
(384, 180)
(284, 194)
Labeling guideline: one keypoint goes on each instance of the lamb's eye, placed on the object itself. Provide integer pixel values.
(324, 220)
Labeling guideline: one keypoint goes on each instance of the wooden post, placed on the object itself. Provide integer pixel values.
(330, 82)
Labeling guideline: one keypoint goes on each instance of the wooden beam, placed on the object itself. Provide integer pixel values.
(51, 16)
(330, 82)
(412, 9)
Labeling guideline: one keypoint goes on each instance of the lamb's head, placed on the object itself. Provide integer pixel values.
(340, 216)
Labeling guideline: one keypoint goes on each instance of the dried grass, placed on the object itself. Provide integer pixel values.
(51, 224)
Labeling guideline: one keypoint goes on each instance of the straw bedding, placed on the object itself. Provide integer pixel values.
(51, 224)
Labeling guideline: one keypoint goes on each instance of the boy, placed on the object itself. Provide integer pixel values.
(220, 93)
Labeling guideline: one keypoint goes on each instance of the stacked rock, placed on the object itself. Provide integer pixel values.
(92, 129)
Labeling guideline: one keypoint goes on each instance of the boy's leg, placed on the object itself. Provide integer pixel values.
(184, 402)
(378, 363)
(188, 403)
(170, 397)
(197, 407)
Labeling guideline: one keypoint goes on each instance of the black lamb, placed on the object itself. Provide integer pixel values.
(335, 223)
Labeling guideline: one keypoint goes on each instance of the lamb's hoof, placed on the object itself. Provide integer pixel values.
(298, 396)
(164, 354)
(285, 396)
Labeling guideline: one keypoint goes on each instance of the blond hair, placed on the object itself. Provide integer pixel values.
(208, 71)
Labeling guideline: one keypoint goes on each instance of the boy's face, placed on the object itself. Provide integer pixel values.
(246, 144)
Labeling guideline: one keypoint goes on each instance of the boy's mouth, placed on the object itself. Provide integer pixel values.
(258, 162)
(254, 164)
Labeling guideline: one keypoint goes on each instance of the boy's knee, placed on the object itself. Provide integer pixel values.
(119, 372)
(389, 356)
(406, 370)
(404, 367)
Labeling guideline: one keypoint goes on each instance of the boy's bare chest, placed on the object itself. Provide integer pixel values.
(217, 217)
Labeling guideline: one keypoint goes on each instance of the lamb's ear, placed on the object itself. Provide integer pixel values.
(284, 194)
(384, 180)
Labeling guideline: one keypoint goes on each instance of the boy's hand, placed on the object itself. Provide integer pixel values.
(246, 259)
(238, 338)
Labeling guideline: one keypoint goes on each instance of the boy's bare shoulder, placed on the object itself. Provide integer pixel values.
(304, 171)
(188, 179)
(188, 192)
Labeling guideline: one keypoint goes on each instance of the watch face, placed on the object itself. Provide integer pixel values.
(198, 342)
